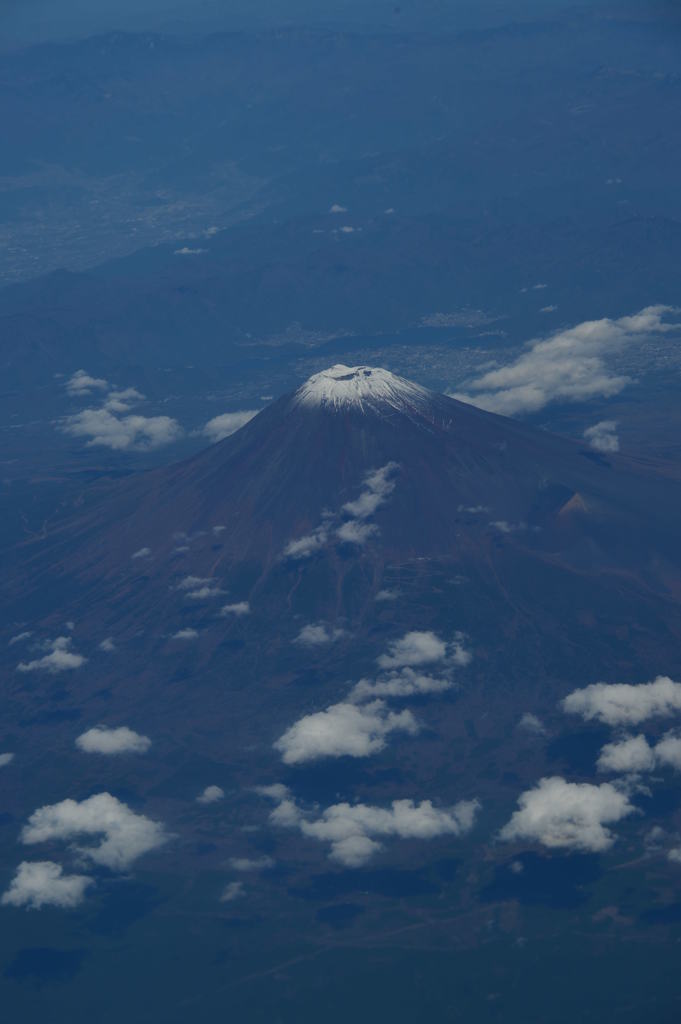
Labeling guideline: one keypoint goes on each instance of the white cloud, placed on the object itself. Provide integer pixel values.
(6, 759)
(125, 836)
(634, 755)
(356, 532)
(377, 488)
(187, 251)
(603, 436)
(337, 208)
(530, 723)
(569, 366)
(60, 658)
(107, 645)
(232, 891)
(343, 729)
(204, 593)
(387, 595)
(122, 433)
(570, 815)
(199, 588)
(20, 637)
(141, 553)
(414, 648)
(185, 634)
(81, 383)
(630, 754)
(308, 545)
(251, 863)
(238, 608)
(623, 703)
(211, 795)
(668, 751)
(227, 424)
(403, 683)
(43, 884)
(121, 740)
(318, 635)
(354, 831)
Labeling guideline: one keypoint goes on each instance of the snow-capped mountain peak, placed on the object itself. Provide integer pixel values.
(360, 387)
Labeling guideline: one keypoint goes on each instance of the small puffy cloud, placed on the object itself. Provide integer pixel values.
(623, 703)
(107, 645)
(414, 648)
(20, 637)
(121, 740)
(631, 755)
(387, 595)
(569, 366)
(187, 251)
(668, 751)
(404, 683)
(185, 634)
(530, 723)
(232, 891)
(377, 488)
(125, 836)
(239, 608)
(6, 759)
(227, 424)
(307, 545)
(318, 635)
(59, 659)
(343, 730)
(354, 831)
(251, 863)
(337, 208)
(355, 532)
(120, 399)
(122, 433)
(199, 588)
(210, 795)
(43, 883)
(81, 383)
(141, 553)
(570, 815)
(602, 437)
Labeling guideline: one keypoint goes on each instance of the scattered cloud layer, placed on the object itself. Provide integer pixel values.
(343, 730)
(354, 831)
(569, 815)
(625, 704)
(200, 588)
(43, 883)
(350, 526)
(60, 658)
(125, 836)
(210, 795)
(602, 437)
(227, 424)
(121, 740)
(569, 366)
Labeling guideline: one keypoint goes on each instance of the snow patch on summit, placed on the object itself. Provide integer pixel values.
(358, 387)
